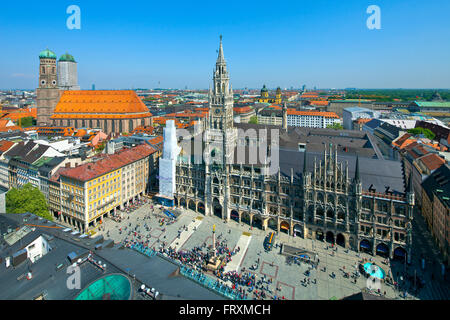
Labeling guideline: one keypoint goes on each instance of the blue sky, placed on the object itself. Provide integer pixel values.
(131, 44)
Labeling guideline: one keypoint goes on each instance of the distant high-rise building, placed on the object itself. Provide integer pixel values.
(67, 73)
(47, 94)
(93, 87)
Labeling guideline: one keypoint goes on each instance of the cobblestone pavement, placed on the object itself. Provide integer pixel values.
(286, 279)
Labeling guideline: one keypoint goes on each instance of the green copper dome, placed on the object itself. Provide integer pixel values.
(67, 57)
(47, 54)
(264, 89)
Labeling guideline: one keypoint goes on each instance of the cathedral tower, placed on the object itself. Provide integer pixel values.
(47, 93)
(67, 73)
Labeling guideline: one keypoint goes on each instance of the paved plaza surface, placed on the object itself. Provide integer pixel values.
(192, 229)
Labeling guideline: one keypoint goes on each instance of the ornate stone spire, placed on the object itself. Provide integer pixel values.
(357, 169)
(409, 187)
(220, 58)
(304, 163)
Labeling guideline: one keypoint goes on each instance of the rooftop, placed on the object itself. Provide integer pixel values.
(107, 163)
(50, 283)
(88, 104)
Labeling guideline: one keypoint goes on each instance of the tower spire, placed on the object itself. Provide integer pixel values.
(304, 162)
(357, 169)
(409, 187)
(220, 58)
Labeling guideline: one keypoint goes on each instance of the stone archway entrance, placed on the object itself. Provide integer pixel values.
(201, 208)
(340, 240)
(319, 235)
(285, 227)
(330, 237)
(183, 203)
(257, 222)
(400, 254)
(217, 208)
(382, 250)
(298, 230)
(245, 217)
(192, 205)
(234, 215)
(365, 246)
(272, 224)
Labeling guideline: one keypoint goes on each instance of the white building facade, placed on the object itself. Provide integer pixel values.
(311, 119)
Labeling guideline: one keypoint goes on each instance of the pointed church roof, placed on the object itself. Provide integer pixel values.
(220, 57)
(304, 162)
(409, 187)
(357, 169)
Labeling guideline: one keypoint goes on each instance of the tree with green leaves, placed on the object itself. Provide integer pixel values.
(253, 120)
(427, 133)
(335, 126)
(27, 199)
(26, 122)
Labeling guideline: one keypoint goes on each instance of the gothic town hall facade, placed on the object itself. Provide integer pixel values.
(324, 196)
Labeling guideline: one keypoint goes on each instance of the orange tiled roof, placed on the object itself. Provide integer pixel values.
(244, 109)
(319, 102)
(4, 122)
(12, 128)
(143, 129)
(404, 141)
(5, 145)
(313, 113)
(108, 163)
(85, 104)
(15, 115)
(156, 140)
(186, 114)
(3, 127)
(80, 133)
(310, 94)
(363, 120)
(416, 150)
(432, 161)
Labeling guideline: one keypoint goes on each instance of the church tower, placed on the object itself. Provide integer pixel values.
(220, 130)
(220, 141)
(47, 94)
(278, 95)
(67, 73)
(284, 120)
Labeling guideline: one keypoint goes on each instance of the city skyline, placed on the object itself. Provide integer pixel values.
(323, 45)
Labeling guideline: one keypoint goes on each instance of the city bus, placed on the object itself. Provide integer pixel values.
(269, 241)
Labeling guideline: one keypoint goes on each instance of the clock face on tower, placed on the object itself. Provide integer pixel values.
(217, 111)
